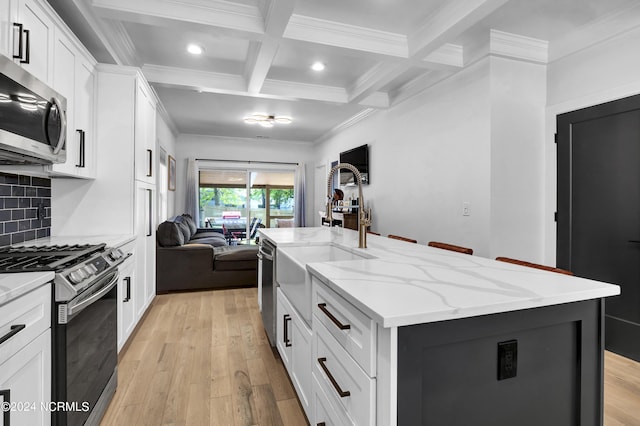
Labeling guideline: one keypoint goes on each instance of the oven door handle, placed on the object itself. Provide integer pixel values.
(73, 308)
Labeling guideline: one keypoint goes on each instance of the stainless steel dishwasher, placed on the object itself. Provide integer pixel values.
(267, 290)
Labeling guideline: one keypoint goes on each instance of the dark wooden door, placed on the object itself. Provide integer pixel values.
(599, 209)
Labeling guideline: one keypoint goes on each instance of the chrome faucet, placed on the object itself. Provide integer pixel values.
(364, 217)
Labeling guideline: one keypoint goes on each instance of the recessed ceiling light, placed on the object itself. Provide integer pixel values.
(194, 49)
(317, 66)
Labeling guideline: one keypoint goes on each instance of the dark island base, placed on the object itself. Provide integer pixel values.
(448, 372)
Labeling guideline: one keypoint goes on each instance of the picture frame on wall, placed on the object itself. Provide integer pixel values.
(172, 173)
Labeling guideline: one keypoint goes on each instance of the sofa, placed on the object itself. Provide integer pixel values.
(192, 258)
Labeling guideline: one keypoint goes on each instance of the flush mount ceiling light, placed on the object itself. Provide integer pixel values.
(317, 66)
(266, 120)
(194, 49)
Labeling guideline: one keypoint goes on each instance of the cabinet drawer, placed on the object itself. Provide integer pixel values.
(359, 339)
(346, 385)
(30, 315)
(326, 413)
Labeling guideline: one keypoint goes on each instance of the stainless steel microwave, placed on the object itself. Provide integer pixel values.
(33, 123)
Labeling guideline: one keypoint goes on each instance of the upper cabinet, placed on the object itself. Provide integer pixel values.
(145, 134)
(8, 15)
(74, 77)
(32, 38)
(39, 41)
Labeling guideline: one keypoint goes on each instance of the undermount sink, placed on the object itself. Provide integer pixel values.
(292, 275)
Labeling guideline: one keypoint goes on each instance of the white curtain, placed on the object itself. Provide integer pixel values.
(299, 196)
(193, 200)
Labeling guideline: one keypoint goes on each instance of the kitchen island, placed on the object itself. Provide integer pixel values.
(408, 334)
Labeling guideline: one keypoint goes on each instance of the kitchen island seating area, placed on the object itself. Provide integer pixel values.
(191, 258)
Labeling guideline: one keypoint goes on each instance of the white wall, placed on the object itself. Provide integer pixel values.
(518, 96)
(602, 73)
(427, 155)
(476, 137)
(220, 148)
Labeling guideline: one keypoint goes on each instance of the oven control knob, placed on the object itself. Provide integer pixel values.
(115, 254)
(88, 270)
(76, 276)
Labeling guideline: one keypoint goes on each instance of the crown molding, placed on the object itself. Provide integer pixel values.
(448, 55)
(121, 43)
(618, 22)
(321, 31)
(162, 111)
(518, 47)
(352, 121)
(453, 18)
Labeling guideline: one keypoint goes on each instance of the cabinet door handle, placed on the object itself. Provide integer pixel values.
(127, 296)
(27, 48)
(81, 155)
(287, 341)
(341, 326)
(6, 399)
(335, 384)
(150, 228)
(15, 329)
(150, 152)
(19, 28)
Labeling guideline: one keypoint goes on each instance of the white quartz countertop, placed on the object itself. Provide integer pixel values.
(109, 240)
(403, 283)
(15, 285)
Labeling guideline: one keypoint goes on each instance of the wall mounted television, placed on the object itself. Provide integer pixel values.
(359, 157)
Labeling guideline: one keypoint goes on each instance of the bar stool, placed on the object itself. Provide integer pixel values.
(374, 233)
(533, 265)
(397, 237)
(451, 247)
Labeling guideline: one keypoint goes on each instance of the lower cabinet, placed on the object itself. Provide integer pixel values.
(25, 384)
(126, 295)
(294, 346)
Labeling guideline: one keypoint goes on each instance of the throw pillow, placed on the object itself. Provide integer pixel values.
(169, 235)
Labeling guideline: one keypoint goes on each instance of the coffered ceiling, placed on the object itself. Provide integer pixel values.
(258, 53)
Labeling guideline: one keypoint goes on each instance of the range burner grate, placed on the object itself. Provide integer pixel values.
(45, 258)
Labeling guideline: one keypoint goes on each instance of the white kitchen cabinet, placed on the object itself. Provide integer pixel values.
(145, 130)
(294, 345)
(345, 358)
(25, 381)
(35, 33)
(73, 77)
(115, 203)
(126, 299)
(25, 357)
(8, 15)
(145, 246)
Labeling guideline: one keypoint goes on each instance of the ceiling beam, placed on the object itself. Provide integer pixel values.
(222, 14)
(336, 34)
(262, 53)
(450, 20)
(213, 82)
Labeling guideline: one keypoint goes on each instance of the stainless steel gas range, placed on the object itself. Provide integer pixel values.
(84, 323)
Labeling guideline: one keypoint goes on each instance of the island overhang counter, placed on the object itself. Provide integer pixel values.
(448, 338)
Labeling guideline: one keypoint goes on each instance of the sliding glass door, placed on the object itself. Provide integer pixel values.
(239, 201)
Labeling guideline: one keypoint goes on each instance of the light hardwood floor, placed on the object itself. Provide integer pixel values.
(202, 358)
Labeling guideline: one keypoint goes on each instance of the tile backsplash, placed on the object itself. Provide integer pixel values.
(25, 208)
